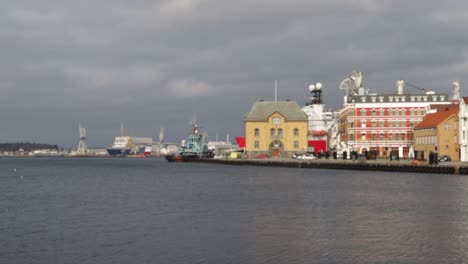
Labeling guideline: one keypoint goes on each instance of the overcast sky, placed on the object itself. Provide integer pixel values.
(152, 64)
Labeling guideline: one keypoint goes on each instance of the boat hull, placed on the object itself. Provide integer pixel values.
(181, 157)
(118, 152)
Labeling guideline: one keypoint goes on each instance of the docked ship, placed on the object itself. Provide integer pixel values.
(122, 146)
(193, 147)
(148, 150)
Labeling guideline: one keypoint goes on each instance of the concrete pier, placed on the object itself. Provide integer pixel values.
(395, 166)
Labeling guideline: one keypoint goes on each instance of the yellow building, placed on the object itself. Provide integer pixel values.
(438, 133)
(277, 129)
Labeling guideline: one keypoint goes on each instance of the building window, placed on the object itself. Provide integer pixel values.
(351, 136)
(382, 137)
(296, 132)
(374, 123)
(257, 144)
(374, 136)
(390, 136)
(397, 136)
(374, 112)
(363, 136)
(296, 144)
(276, 121)
(272, 132)
(280, 131)
(382, 123)
(447, 127)
(257, 132)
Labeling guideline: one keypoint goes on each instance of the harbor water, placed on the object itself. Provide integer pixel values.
(128, 210)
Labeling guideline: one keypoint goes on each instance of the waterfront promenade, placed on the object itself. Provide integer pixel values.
(368, 165)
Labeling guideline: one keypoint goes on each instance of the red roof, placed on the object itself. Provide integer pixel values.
(318, 133)
(433, 120)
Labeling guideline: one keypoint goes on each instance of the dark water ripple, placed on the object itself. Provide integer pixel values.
(151, 211)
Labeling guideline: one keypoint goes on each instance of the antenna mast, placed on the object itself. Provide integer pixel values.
(276, 90)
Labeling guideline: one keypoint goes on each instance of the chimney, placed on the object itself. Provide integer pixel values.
(400, 86)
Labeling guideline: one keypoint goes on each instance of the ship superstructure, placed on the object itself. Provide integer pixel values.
(320, 121)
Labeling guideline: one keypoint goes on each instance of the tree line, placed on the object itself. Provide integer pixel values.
(26, 146)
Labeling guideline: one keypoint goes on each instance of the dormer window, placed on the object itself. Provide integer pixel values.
(276, 121)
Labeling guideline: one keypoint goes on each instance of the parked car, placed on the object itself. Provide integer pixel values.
(261, 156)
(307, 156)
(296, 155)
(445, 158)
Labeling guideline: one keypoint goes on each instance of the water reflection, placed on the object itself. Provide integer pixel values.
(146, 211)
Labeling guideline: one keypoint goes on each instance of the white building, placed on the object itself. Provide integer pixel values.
(463, 126)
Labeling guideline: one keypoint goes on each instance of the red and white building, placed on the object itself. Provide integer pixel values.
(380, 123)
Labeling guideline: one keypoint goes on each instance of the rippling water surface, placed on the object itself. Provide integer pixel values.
(150, 211)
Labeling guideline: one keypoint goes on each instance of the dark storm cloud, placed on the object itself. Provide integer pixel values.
(153, 63)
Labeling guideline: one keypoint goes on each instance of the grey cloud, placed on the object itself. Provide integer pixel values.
(154, 63)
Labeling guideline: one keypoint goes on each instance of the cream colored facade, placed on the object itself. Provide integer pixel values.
(442, 139)
(276, 136)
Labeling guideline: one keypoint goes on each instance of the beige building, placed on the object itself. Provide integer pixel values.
(277, 129)
(438, 133)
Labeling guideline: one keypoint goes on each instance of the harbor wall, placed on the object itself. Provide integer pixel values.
(339, 165)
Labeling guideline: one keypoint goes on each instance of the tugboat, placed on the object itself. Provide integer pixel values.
(193, 147)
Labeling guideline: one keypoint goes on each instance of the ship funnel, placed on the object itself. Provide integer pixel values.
(400, 86)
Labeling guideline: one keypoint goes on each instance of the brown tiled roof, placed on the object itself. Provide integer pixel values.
(433, 120)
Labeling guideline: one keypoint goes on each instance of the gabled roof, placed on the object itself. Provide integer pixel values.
(433, 120)
(289, 109)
